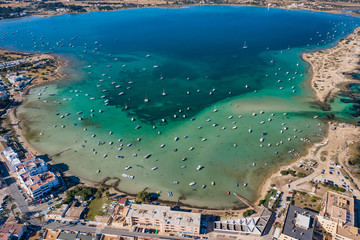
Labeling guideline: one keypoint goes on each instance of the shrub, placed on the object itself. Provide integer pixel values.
(248, 213)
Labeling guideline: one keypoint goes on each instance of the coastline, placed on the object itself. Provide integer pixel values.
(317, 61)
(62, 65)
(327, 71)
(20, 97)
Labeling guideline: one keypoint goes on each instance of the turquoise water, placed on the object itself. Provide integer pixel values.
(213, 88)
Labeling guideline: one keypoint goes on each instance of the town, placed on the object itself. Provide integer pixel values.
(313, 196)
(39, 202)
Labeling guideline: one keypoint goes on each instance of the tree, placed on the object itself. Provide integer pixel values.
(40, 218)
(6, 211)
(12, 208)
(10, 199)
(24, 218)
(143, 197)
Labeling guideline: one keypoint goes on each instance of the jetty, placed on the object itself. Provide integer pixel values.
(248, 203)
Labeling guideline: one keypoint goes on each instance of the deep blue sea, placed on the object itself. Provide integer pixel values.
(221, 87)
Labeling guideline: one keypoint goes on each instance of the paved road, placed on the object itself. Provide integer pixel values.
(19, 199)
(87, 229)
(13, 190)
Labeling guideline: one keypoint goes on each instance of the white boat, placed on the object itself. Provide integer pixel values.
(261, 139)
(245, 184)
(176, 139)
(154, 168)
(164, 93)
(192, 183)
(234, 127)
(162, 145)
(213, 183)
(203, 186)
(191, 148)
(128, 176)
(127, 167)
(175, 182)
(245, 47)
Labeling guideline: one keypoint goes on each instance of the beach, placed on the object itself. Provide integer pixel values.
(226, 109)
(331, 67)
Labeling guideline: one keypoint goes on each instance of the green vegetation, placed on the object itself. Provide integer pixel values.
(265, 201)
(9, 12)
(95, 208)
(84, 192)
(248, 213)
(289, 171)
(143, 197)
(301, 174)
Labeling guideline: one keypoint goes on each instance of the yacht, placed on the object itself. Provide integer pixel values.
(175, 182)
(199, 168)
(245, 47)
(192, 183)
(154, 168)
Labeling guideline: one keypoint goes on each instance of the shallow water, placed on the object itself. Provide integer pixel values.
(196, 57)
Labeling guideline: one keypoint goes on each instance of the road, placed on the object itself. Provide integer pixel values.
(19, 200)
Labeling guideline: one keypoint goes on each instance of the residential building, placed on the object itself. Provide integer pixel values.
(40, 185)
(13, 78)
(299, 224)
(75, 212)
(58, 213)
(4, 94)
(251, 225)
(3, 145)
(337, 216)
(33, 167)
(163, 219)
(73, 236)
(10, 230)
(11, 158)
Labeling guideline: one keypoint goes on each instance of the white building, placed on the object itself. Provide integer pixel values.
(11, 158)
(163, 218)
(39, 185)
(33, 166)
(15, 78)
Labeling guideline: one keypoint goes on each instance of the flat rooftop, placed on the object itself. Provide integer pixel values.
(299, 223)
(338, 207)
(164, 213)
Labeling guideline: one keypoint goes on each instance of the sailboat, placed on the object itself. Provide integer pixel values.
(146, 99)
(245, 47)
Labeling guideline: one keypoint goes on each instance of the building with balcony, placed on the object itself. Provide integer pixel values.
(163, 219)
(337, 216)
